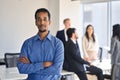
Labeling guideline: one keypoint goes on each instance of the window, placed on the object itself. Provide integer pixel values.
(102, 15)
(96, 14)
(115, 12)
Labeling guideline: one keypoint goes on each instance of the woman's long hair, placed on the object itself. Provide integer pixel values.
(86, 33)
(116, 31)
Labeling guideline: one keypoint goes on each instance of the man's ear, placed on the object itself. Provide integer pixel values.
(73, 34)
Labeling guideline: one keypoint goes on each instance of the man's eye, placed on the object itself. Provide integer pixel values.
(45, 19)
(38, 19)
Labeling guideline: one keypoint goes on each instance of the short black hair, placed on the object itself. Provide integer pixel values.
(42, 10)
(70, 31)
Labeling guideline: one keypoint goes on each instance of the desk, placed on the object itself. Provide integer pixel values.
(11, 74)
(105, 65)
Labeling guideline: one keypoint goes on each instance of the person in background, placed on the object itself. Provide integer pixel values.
(115, 52)
(62, 33)
(90, 45)
(73, 61)
(42, 55)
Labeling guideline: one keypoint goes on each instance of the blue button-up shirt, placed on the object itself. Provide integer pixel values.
(39, 51)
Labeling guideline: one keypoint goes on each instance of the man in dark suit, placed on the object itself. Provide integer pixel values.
(62, 33)
(73, 61)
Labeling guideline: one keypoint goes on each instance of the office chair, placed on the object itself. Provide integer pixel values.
(100, 53)
(2, 62)
(11, 59)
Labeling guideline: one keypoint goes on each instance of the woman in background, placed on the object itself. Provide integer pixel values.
(90, 45)
(115, 52)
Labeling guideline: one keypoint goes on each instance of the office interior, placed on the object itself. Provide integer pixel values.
(17, 21)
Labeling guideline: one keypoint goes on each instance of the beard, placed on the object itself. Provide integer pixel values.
(41, 31)
(40, 28)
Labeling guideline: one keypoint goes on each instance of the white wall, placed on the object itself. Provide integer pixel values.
(61, 9)
(54, 10)
(17, 22)
(71, 9)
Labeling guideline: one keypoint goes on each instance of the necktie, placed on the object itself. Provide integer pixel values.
(77, 44)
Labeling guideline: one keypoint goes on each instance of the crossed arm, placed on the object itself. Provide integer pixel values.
(52, 67)
(27, 61)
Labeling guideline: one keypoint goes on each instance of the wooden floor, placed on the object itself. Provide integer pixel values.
(90, 77)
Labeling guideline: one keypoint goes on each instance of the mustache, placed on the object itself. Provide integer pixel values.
(42, 25)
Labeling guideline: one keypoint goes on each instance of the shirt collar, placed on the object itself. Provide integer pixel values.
(73, 41)
(49, 36)
(66, 38)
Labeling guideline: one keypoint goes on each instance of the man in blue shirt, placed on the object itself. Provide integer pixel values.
(42, 55)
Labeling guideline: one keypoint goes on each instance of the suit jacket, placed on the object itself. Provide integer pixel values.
(61, 36)
(73, 61)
